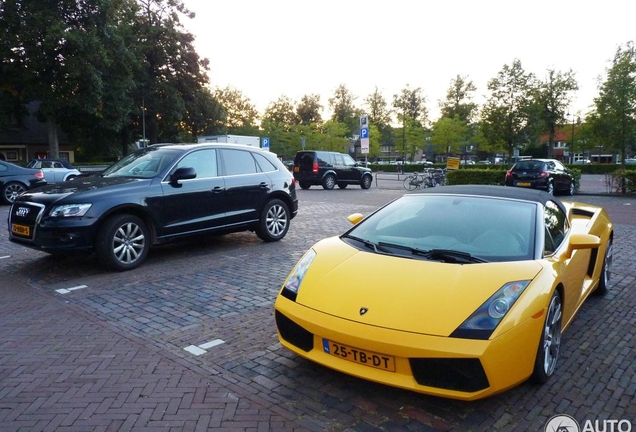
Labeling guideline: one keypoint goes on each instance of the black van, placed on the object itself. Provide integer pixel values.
(314, 167)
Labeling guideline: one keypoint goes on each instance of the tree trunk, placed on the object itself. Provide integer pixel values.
(54, 144)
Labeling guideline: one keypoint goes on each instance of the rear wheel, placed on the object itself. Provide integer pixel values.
(274, 221)
(123, 242)
(329, 182)
(366, 181)
(10, 191)
(606, 273)
(550, 341)
(304, 185)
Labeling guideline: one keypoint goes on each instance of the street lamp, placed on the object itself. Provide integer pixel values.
(572, 146)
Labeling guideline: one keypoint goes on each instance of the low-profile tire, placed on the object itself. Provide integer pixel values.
(329, 182)
(366, 182)
(274, 221)
(10, 191)
(123, 242)
(304, 185)
(606, 273)
(550, 188)
(550, 341)
(342, 185)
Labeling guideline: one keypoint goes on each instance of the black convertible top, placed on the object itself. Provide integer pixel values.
(533, 195)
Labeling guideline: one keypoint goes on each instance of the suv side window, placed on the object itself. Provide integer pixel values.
(555, 227)
(348, 160)
(239, 162)
(324, 159)
(203, 162)
(338, 160)
(264, 164)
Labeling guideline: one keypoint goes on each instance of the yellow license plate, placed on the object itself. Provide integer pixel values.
(356, 355)
(20, 230)
(296, 169)
(523, 184)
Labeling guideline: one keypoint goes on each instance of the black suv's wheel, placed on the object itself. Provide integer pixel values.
(10, 191)
(274, 222)
(366, 181)
(329, 182)
(549, 342)
(342, 185)
(123, 242)
(304, 185)
(571, 188)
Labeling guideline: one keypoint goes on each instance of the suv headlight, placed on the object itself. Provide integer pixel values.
(69, 210)
(485, 320)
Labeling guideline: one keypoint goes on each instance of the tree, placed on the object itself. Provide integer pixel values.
(450, 135)
(281, 113)
(378, 110)
(344, 110)
(308, 110)
(412, 114)
(552, 98)
(505, 115)
(72, 58)
(614, 120)
(458, 100)
(241, 115)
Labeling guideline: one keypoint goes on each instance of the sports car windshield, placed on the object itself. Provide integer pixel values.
(450, 228)
(145, 163)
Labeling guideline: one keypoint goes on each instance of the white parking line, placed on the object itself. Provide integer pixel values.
(6, 256)
(202, 349)
(68, 290)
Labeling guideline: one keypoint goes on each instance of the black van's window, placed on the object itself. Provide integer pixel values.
(324, 158)
(239, 162)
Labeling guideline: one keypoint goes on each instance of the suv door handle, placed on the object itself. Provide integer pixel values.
(218, 189)
(264, 185)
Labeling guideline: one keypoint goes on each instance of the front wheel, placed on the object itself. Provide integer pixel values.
(366, 182)
(550, 341)
(274, 221)
(11, 191)
(571, 188)
(410, 183)
(123, 242)
(550, 188)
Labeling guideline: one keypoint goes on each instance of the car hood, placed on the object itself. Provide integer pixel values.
(413, 295)
(82, 188)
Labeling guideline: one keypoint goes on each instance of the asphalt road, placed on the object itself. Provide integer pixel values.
(187, 342)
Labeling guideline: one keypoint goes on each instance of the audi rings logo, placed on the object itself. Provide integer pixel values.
(22, 211)
(562, 423)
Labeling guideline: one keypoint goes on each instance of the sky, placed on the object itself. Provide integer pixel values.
(270, 48)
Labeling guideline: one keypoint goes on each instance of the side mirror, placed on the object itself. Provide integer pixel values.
(355, 218)
(183, 173)
(581, 241)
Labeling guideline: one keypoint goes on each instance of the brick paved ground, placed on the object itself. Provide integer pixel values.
(109, 353)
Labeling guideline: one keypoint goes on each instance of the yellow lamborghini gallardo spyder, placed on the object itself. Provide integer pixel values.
(455, 291)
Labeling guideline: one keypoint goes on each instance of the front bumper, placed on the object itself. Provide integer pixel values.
(441, 366)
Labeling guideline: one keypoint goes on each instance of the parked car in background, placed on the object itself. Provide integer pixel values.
(155, 195)
(317, 167)
(549, 175)
(15, 180)
(55, 170)
(456, 291)
(630, 161)
(582, 162)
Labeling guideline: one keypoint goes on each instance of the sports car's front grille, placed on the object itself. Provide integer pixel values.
(461, 374)
(293, 333)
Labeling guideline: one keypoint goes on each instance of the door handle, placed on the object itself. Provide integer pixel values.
(218, 189)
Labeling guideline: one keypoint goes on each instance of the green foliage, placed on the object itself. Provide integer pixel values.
(476, 176)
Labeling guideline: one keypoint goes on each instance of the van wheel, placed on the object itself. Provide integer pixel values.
(329, 182)
(274, 222)
(342, 185)
(366, 182)
(123, 242)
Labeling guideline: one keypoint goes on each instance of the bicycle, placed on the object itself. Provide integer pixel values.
(416, 180)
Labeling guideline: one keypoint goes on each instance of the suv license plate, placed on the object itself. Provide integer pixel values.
(21, 230)
(363, 357)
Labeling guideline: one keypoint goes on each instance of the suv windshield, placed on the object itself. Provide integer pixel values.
(146, 163)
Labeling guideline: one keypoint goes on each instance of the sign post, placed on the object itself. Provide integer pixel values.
(265, 143)
(364, 136)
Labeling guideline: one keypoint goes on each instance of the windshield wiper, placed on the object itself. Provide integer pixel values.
(377, 248)
(447, 255)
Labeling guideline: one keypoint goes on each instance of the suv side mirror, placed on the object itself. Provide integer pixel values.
(183, 173)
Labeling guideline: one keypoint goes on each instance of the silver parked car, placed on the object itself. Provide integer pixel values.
(55, 170)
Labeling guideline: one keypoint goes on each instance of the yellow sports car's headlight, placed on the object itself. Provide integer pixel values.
(485, 320)
(294, 280)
